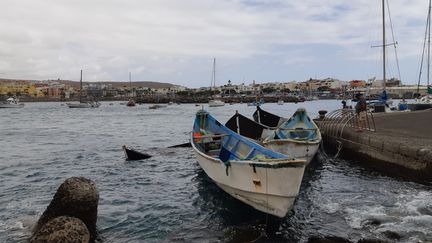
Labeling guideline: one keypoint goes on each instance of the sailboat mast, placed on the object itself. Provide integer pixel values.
(214, 75)
(429, 45)
(81, 87)
(384, 44)
(130, 82)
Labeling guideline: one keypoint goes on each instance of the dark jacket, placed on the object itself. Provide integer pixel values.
(361, 105)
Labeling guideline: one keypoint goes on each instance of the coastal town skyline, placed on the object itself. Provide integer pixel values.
(176, 41)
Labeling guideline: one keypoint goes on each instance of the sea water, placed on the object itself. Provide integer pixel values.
(169, 197)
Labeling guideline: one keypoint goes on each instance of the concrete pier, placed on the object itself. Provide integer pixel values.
(401, 140)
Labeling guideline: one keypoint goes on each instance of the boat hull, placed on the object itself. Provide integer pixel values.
(11, 106)
(269, 190)
(298, 150)
(216, 103)
(82, 105)
(419, 106)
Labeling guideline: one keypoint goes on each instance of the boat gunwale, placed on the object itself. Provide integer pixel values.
(267, 163)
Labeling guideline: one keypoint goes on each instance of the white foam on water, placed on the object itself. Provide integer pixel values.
(357, 218)
(410, 217)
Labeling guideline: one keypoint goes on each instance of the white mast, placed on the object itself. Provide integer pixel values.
(428, 50)
(384, 44)
(130, 83)
(81, 86)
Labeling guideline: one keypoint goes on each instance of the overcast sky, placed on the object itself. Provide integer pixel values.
(175, 40)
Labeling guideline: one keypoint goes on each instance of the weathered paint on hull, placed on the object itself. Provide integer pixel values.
(270, 190)
(304, 151)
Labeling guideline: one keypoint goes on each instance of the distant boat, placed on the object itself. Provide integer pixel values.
(214, 102)
(11, 102)
(83, 104)
(87, 104)
(256, 103)
(131, 102)
(266, 180)
(280, 102)
(157, 106)
(298, 136)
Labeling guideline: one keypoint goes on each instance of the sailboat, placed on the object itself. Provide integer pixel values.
(424, 102)
(384, 102)
(214, 102)
(83, 104)
(131, 102)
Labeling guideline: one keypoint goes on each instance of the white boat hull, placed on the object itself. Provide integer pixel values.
(269, 190)
(21, 105)
(298, 150)
(216, 103)
(82, 105)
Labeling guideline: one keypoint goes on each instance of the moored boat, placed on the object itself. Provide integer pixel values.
(216, 103)
(130, 103)
(264, 179)
(157, 106)
(298, 136)
(11, 102)
(83, 104)
(88, 104)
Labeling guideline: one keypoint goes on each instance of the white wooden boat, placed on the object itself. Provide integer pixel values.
(298, 136)
(259, 177)
(280, 102)
(12, 103)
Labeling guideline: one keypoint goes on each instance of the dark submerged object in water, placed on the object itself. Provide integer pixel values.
(134, 155)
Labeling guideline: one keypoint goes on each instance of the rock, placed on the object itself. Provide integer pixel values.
(62, 229)
(76, 197)
(327, 239)
(372, 241)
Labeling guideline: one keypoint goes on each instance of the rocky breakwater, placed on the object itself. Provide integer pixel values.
(72, 214)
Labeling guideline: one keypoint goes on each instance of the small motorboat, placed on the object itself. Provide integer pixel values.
(133, 154)
(12, 102)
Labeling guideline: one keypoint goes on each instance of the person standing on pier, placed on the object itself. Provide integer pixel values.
(361, 112)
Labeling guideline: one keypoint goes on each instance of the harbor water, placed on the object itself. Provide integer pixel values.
(169, 197)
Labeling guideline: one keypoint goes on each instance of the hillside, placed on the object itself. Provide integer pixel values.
(148, 84)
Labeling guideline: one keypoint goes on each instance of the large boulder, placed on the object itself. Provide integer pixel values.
(62, 229)
(76, 197)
